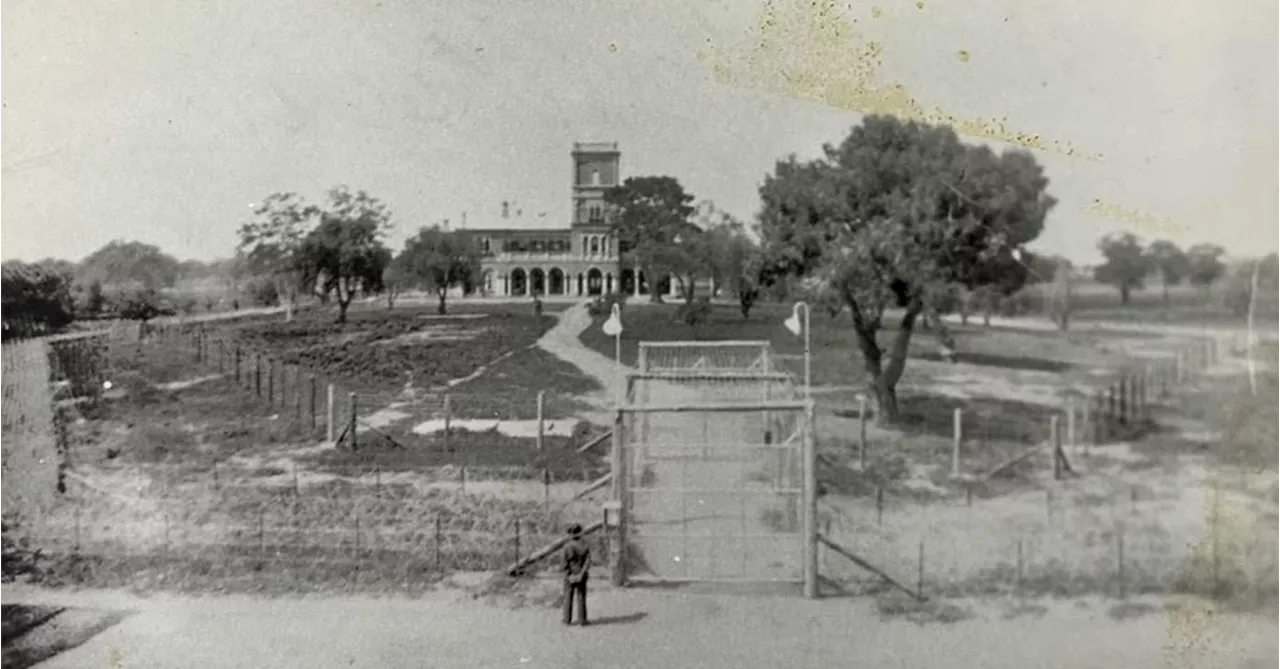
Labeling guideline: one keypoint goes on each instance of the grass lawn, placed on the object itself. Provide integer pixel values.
(836, 360)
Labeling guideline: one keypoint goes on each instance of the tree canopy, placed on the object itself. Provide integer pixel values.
(36, 299)
(271, 245)
(894, 211)
(345, 250)
(1125, 265)
(123, 263)
(1205, 264)
(1170, 261)
(648, 215)
(439, 260)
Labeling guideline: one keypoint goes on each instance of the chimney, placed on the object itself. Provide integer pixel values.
(506, 209)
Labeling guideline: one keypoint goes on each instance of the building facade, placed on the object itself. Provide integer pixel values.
(580, 260)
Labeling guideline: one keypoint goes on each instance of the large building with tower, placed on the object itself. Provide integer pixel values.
(580, 260)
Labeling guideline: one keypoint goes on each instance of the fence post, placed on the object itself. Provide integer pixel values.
(1113, 411)
(377, 480)
(78, 511)
(1098, 407)
(1124, 399)
(862, 431)
(462, 477)
(1017, 583)
(271, 383)
(437, 542)
(920, 572)
(330, 418)
(237, 364)
(352, 425)
(1071, 423)
(311, 381)
(546, 488)
(879, 505)
(517, 540)
(295, 480)
(541, 451)
(257, 374)
(1120, 586)
(297, 397)
(262, 551)
(1055, 436)
(810, 518)
(957, 428)
(448, 417)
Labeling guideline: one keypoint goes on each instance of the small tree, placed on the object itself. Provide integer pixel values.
(1205, 265)
(1170, 261)
(394, 279)
(440, 260)
(1126, 265)
(271, 246)
(346, 248)
(1059, 297)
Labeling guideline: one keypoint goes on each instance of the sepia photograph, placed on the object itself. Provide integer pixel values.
(641, 333)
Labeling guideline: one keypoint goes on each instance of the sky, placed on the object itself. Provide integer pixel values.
(165, 122)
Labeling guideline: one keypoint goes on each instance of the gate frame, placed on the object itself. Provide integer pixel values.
(642, 356)
(809, 497)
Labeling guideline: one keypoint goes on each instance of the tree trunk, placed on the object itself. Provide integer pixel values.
(654, 294)
(1165, 292)
(344, 300)
(882, 379)
(1124, 295)
(440, 308)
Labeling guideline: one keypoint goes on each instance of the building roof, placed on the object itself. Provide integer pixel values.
(595, 147)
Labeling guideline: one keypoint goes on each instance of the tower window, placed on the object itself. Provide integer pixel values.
(595, 245)
(595, 177)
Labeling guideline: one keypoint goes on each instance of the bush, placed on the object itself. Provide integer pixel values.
(262, 293)
(141, 305)
(695, 313)
(36, 300)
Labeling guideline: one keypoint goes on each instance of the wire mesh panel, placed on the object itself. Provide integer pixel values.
(704, 356)
(713, 478)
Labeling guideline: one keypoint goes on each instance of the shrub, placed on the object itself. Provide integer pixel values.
(602, 305)
(36, 300)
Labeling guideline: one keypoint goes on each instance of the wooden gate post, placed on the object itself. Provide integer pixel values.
(810, 508)
(619, 482)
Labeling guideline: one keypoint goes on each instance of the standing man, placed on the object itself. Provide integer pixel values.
(577, 562)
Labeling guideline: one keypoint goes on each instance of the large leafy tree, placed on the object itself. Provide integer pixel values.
(271, 245)
(439, 260)
(1170, 261)
(734, 258)
(1125, 264)
(648, 215)
(1205, 265)
(892, 213)
(121, 263)
(36, 299)
(346, 250)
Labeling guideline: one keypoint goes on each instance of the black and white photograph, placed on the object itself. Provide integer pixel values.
(643, 333)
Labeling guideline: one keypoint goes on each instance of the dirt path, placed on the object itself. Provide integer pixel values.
(642, 628)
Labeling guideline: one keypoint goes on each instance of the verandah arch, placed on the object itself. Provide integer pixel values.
(595, 282)
(555, 281)
(537, 281)
(519, 282)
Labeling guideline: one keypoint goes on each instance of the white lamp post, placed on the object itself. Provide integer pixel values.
(795, 326)
(613, 327)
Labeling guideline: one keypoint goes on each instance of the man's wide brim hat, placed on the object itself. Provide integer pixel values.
(575, 530)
